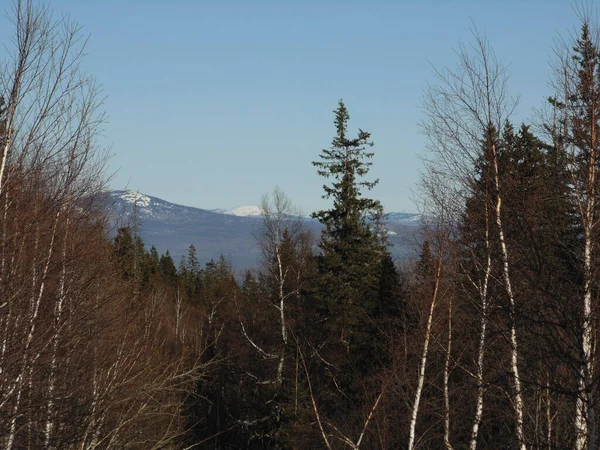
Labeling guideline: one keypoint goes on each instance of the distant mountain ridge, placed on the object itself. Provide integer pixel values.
(173, 227)
(241, 211)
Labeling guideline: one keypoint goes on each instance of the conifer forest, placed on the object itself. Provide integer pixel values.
(487, 339)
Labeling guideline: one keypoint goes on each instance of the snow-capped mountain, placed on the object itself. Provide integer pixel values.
(230, 232)
(244, 211)
(403, 217)
(240, 211)
(133, 197)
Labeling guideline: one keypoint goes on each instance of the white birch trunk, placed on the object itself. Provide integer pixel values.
(480, 385)
(446, 381)
(12, 107)
(584, 413)
(3, 163)
(57, 323)
(423, 363)
(178, 313)
(3, 244)
(514, 350)
(29, 339)
(483, 294)
(26, 30)
(279, 379)
(585, 427)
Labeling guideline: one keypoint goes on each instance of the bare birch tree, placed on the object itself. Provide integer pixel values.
(437, 208)
(77, 370)
(284, 244)
(482, 287)
(465, 108)
(282, 225)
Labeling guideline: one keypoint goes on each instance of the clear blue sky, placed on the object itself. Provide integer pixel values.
(213, 105)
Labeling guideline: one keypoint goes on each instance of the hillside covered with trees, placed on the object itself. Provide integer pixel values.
(489, 339)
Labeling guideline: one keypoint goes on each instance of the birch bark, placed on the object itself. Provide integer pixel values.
(423, 362)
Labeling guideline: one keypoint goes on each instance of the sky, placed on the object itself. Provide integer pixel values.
(212, 105)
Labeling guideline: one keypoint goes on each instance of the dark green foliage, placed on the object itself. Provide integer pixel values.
(357, 285)
(584, 102)
(154, 259)
(542, 236)
(193, 265)
(125, 252)
(193, 277)
(352, 244)
(251, 287)
(424, 267)
(167, 268)
(134, 263)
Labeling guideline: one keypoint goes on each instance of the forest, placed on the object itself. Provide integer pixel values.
(488, 339)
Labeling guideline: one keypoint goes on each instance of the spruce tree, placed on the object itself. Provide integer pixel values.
(192, 260)
(192, 278)
(347, 293)
(124, 248)
(392, 290)
(352, 245)
(154, 259)
(167, 268)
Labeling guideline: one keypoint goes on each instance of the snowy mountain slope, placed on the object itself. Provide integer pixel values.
(231, 232)
(255, 211)
(403, 217)
(244, 211)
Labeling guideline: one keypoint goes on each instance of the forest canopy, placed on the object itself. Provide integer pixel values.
(488, 339)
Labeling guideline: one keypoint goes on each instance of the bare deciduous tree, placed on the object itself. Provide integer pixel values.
(466, 111)
(438, 224)
(77, 369)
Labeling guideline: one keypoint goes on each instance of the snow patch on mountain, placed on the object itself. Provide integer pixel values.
(135, 198)
(403, 217)
(244, 211)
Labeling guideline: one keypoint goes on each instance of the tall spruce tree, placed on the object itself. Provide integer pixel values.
(352, 245)
(349, 340)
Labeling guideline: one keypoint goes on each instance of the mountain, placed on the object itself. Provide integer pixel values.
(244, 211)
(214, 232)
(403, 217)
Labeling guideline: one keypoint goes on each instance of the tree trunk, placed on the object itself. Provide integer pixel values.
(483, 295)
(514, 350)
(446, 381)
(423, 363)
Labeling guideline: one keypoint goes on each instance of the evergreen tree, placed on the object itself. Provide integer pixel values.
(193, 275)
(352, 244)
(252, 288)
(154, 259)
(167, 268)
(352, 248)
(392, 290)
(192, 260)
(576, 128)
(124, 248)
(182, 270)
